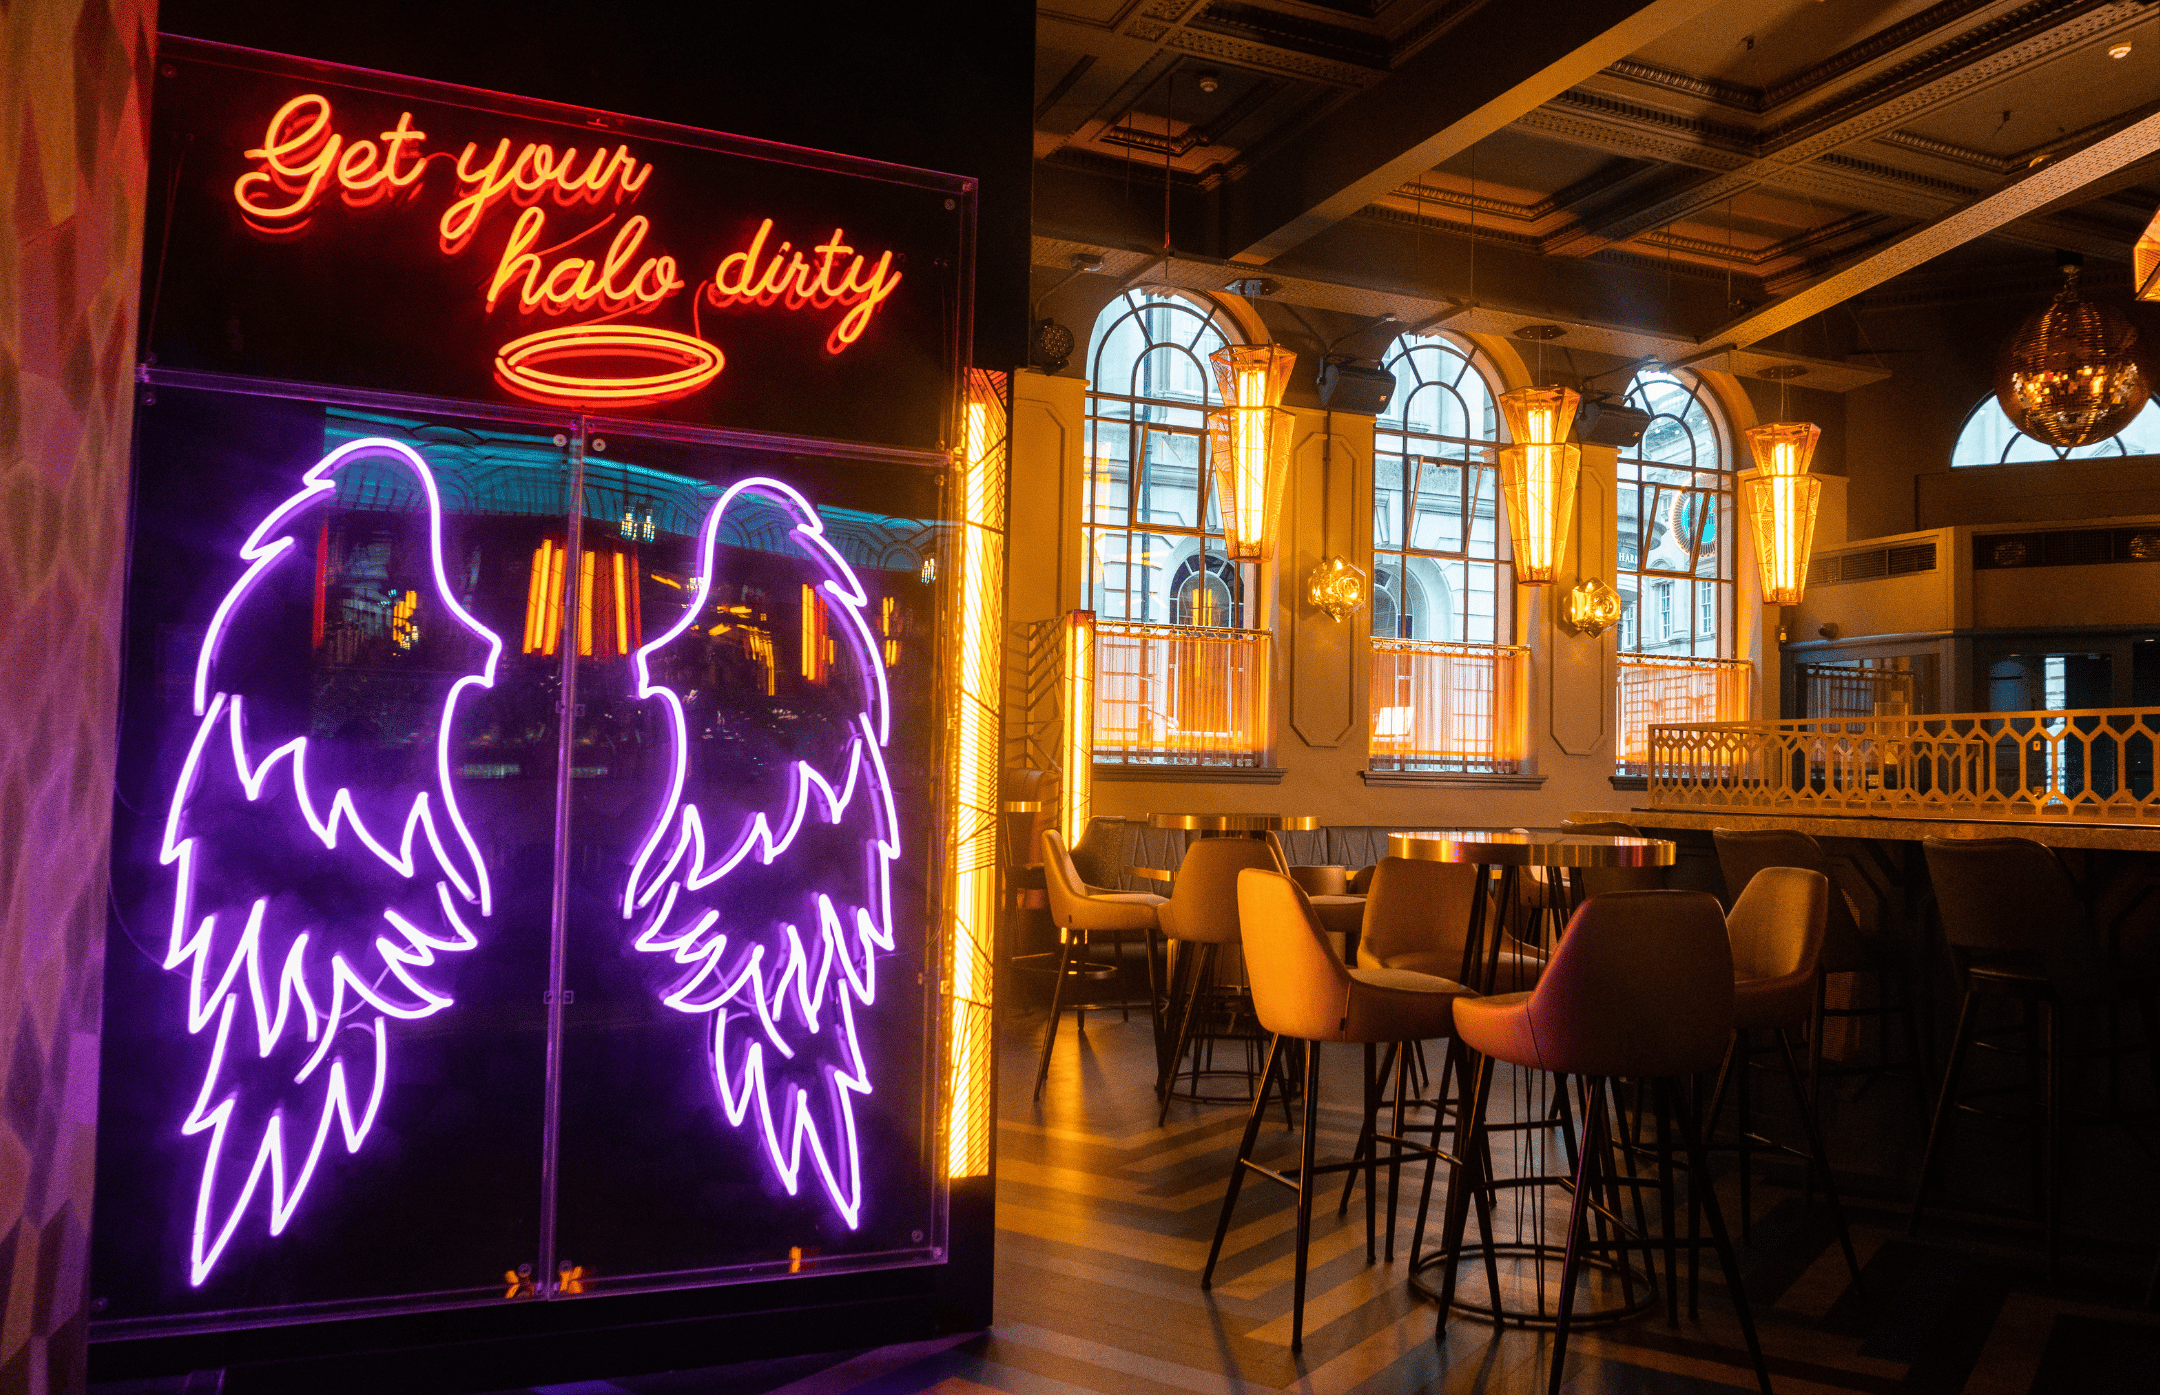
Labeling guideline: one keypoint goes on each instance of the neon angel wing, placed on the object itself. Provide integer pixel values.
(766, 880)
(316, 891)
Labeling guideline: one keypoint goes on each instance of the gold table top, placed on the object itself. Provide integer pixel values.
(1532, 848)
(1237, 823)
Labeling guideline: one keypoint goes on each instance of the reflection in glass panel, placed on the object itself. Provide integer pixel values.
(763, 988)
(352, 760)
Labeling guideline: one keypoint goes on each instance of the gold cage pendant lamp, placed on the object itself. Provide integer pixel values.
(2071, 375)
(1249, 440)
(1781, 502)
(1538, 474)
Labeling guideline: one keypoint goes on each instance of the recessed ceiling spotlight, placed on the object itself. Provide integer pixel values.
(2121, 50)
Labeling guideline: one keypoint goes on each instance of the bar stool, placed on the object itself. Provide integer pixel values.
(1200, 918)
(1847, 949)
(1640, 986)
(1416, 917)
(1302, 991)
(1776, 928)
(1341, 912)
(1079, 912)
(2017, 929)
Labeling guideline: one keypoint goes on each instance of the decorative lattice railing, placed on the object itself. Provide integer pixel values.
(2094, 763)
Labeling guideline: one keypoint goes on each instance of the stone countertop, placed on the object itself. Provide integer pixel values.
(2055, 833)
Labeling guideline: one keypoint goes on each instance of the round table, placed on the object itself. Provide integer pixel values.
(1506, 851)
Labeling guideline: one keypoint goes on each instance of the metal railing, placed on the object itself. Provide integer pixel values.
(2093, 763)
(1660, 691)
(1180, 695)
(1438, 706)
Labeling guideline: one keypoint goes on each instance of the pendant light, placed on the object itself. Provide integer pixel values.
(1782, 501)
(2071, 374)
(1539, 471)
(1249, 438)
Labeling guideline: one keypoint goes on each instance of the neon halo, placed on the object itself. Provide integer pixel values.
(696, 364)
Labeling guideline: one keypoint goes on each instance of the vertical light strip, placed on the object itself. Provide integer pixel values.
(585, 602)
(536, 594)
(622, 605)
(978, 609)
(1076, 774)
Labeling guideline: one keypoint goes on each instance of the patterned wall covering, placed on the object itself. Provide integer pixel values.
(73, 153)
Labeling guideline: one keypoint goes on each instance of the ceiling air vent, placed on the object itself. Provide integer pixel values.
(1911, 558)
(1906, 559)
(2065, 547)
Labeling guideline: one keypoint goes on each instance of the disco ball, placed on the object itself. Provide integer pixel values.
(2072, 374)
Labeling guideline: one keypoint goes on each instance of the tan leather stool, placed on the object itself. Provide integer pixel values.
(1847, 948)
(2018, 929)
(1080, 911)
(1640, 987)
(1302, 991)
(1201, 917)
(1776, 929)
(1417, 917)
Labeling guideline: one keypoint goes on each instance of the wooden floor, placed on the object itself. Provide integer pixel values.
(1104, 1221)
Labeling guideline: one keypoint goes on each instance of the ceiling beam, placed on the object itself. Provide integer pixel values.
(2036, 190)
(1779, 157)
(1492, 66)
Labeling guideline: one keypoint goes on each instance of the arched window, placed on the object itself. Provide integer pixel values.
(1675, 560)
(1153, 529)
(1988, 438)
(1181, 677)
(1439, 555)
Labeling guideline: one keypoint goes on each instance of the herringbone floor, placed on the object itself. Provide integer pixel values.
(1104, 1221)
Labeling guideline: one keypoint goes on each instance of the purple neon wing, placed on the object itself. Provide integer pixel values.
(317, 888)
(766, 881)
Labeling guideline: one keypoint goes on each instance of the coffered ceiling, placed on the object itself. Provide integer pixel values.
(1765, 143)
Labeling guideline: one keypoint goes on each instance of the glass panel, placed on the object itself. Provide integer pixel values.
(1436, 518)
(1110, 474)
(1388, 501)
(748, 1046)
(326, 1091)
(1481, 626)
(1170, 486)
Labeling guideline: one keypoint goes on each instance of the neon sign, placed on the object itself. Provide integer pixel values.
(784, 1037)
(324, 986)
(302, 158)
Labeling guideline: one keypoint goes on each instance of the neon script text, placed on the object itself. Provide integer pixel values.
(796, 282)
(302, 159)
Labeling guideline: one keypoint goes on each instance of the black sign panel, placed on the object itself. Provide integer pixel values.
(329, 226)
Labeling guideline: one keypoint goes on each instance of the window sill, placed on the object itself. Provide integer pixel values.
(1191, 774)
(1450, 779)
(1630, 782)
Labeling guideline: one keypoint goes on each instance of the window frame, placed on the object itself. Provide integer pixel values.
(1195, 549)
(1478, 504)
(1184, 683)
(2147, 418)
(1717, 484)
